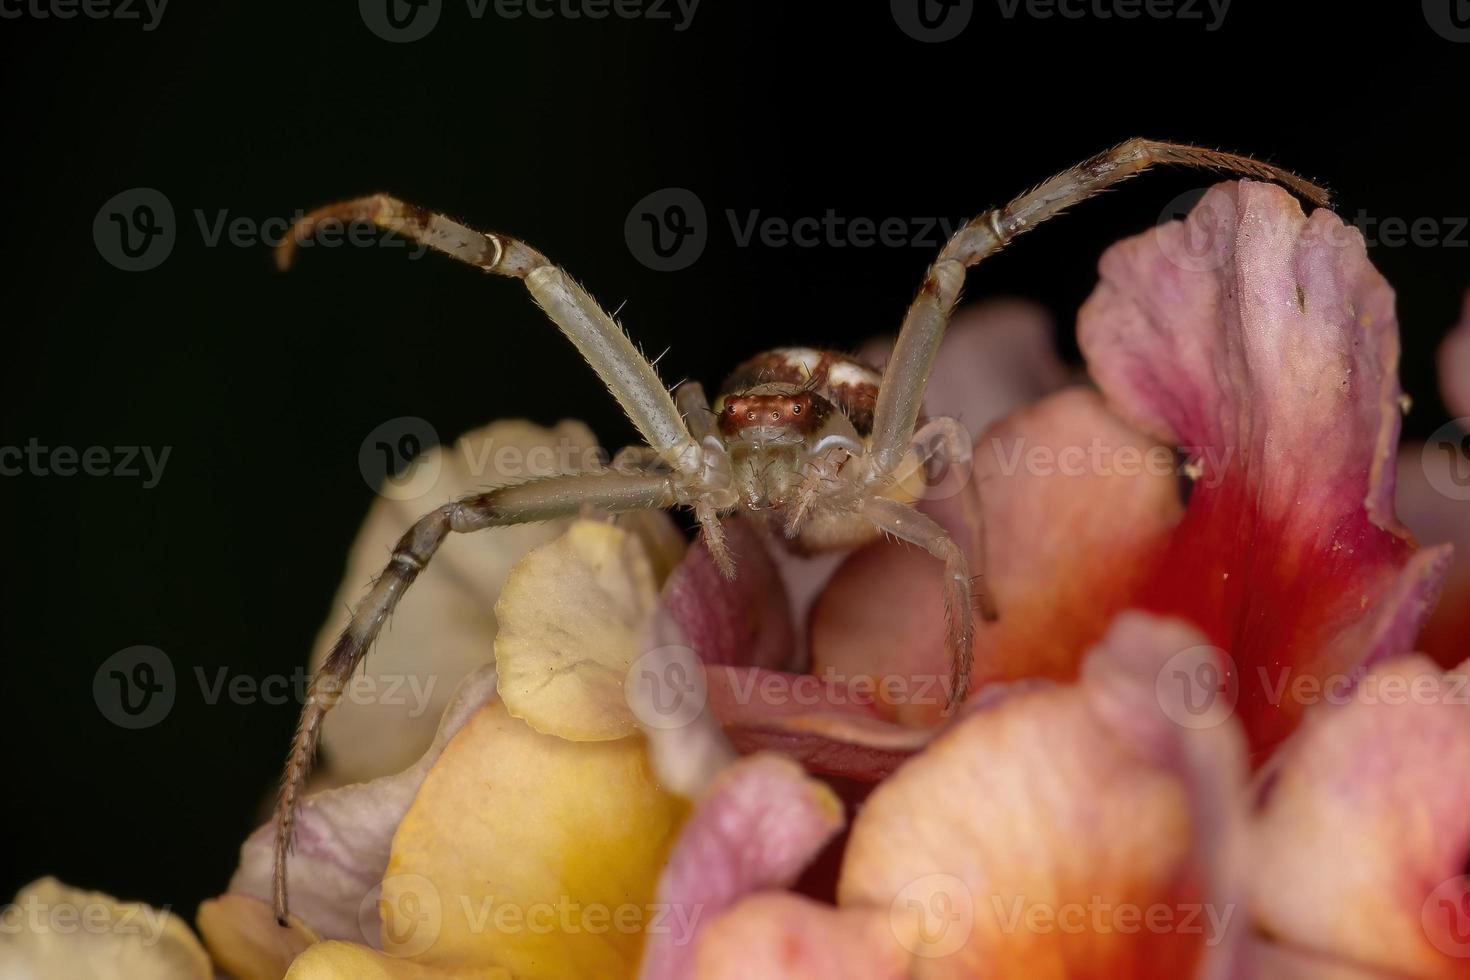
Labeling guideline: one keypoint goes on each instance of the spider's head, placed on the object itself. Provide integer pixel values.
(781, 414)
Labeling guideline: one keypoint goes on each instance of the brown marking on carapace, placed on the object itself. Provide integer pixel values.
(802, 412)
(842, 380)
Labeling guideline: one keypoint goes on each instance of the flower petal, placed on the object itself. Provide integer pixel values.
(775, 934)
(445, 627)
(343, 835)
(349, 961)
(1077, 508)
(1269, 354)
(530, 852)
(1065, 831)
(1363, 837)
(54, 930)
(244, 940)
(747, 621)
(757, 826)
(571, 615)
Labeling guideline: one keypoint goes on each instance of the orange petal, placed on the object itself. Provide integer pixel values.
(1077, 510)
(1362, 840)
(1065, 831)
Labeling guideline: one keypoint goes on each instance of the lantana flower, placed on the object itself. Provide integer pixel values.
(1199, 742)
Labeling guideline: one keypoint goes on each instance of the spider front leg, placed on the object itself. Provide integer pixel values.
(904, 522)
(539, 500)
(944, 446)
(901, 393)
(712, 494)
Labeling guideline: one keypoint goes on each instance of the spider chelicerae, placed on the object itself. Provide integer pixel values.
(813, 444)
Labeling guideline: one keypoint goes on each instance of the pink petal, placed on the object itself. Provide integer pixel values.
(1362, 840)
(747, 621)
(1264, 343)
(343, 836)
(758, 825)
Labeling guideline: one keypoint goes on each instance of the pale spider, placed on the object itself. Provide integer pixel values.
(812, 441)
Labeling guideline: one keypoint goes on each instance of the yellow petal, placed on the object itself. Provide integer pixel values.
(337, 960)
(53, 930)
(530, 852)
(244, 939)
(571, 616)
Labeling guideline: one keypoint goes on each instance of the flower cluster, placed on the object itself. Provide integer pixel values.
(1199, 741)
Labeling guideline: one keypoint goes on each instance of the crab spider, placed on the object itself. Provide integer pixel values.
(811, 443)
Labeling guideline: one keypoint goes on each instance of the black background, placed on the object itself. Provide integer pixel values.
(265, 385)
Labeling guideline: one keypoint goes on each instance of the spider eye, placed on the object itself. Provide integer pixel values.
(750, 416)
(795, 409)
(775, 416)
